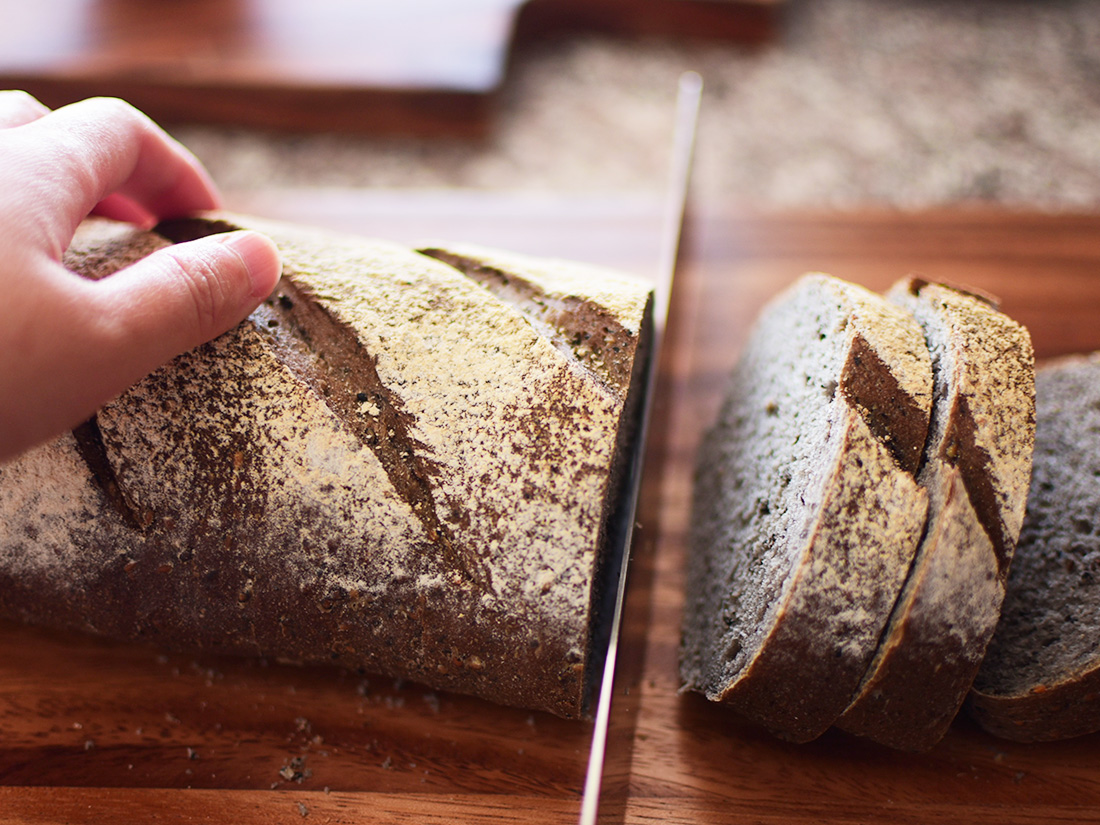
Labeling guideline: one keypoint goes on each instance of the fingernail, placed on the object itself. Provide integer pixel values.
(261, 258)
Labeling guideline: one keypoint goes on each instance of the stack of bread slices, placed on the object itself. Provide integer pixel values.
(857, 506)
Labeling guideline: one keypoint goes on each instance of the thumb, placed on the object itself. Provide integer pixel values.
(186, 294)
(174, 300)
(78, 343)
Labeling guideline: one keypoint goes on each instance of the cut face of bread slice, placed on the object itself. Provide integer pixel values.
(976, 469)
(806, 514)
(386, 467)
(1041, 675)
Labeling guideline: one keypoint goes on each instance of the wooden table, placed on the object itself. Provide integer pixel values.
(95, 732)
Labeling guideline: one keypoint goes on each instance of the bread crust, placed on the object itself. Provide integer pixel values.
(385, 467)
(976, 469)
(1041, 677)
(987, 424)
(938, 631)
(1045, 713)
(802, 676)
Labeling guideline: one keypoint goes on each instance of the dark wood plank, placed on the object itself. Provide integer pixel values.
(425, 67)
(91, 806)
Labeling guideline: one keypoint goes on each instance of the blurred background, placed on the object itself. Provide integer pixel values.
(828, 103)
(907, 103)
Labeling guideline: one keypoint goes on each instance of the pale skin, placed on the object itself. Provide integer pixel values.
(67, 344)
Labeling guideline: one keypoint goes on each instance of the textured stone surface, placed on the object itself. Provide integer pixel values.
(911, 103)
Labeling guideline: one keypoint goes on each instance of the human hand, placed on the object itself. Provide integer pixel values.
(68, 344)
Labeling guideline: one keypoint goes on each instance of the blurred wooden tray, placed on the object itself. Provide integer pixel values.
(424, 67)
(92, 732)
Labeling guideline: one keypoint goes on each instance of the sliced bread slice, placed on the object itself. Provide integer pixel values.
(976, 470)
(1041, 676)
(806, 513)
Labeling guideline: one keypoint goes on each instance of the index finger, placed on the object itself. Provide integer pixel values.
(81, 153)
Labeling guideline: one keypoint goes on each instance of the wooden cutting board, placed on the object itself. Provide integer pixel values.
(93, 732)
(422, 67)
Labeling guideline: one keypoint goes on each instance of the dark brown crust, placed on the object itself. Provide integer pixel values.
(792, 686)
(89, 445)
(627, 452)
(927, 670)
(916, 713)
(895, 418)
(961, 450)
(792, 689)
(329, 359)
(611, 354)
(1015, 697)
(960, 447)
(1061, 711)
(915, 283)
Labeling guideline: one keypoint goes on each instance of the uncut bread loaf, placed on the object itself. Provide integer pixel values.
(1041, 676)
(806, 514)
(976, 470)
(389, 466)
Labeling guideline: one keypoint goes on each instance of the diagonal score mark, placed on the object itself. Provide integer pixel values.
(567, 322)
(327, 356)
(93, 452)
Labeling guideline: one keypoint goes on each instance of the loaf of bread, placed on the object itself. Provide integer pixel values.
(1041, 676)
(394, 464)
(976, 469)
(807, 514)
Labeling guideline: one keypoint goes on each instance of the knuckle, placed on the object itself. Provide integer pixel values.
(16, 100)
(111, 107)
(112, 119)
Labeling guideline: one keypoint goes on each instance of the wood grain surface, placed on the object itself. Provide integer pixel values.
(95, 732)
(423, 67)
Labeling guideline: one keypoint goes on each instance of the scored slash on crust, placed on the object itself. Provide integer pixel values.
(303, 471)
(344, 375)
